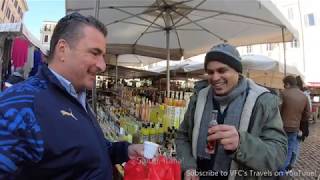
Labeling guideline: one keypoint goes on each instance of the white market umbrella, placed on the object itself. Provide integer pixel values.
(195, 63)
(265, 63)
(132, 60)
(170, 29)
(266, 71)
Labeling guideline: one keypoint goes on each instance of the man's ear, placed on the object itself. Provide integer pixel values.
(62, 48)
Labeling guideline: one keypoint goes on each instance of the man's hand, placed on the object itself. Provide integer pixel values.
(227, 134)
(190, 174)
(135, 151)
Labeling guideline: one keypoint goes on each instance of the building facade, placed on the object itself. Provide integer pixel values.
(46, 32)
(12, 11)
(302, 52)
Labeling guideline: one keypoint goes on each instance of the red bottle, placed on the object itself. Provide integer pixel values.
(211, 145)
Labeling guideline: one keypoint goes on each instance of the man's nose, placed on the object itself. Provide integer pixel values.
(101, 64)
(214, 76)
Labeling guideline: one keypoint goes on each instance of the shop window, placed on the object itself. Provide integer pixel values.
(47, 27)
(310, 19)
(269, 47)
(12, 19)
(46, 38)
(8, 13)
(2, 6)
(290, 14)
(294, 43)
(249, 49)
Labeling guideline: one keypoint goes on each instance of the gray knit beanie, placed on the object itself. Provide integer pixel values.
(225, 54)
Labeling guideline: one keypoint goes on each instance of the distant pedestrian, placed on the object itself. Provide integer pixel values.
(304, 125)
(294, 110)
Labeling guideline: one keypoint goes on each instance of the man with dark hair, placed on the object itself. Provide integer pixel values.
(294, 111)
(48, 130)
(304, 125)
(70, 29)
(289, 81)
(248, 136)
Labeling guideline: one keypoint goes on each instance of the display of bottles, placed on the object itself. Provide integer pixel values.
(136, 137)
(165, 101)
(145, 132)
(153, 133)
(144, 105)
(144, 115)
(175, 107)
(160, 134)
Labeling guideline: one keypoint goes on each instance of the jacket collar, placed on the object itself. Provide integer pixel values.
(45, 73)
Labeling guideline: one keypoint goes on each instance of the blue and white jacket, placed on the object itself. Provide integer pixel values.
(45, 133)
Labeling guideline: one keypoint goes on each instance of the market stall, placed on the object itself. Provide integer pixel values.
(19, 49)
(314, 88)
(139, 112)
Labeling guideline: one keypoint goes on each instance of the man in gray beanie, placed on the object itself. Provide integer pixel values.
(248, 137)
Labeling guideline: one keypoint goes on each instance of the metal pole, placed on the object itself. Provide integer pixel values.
(94, 89)
(97, 9)
(187, 80)
(284, 52)
(168, 60)
(116, 85)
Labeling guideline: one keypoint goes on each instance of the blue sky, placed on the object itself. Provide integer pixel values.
(42, 10)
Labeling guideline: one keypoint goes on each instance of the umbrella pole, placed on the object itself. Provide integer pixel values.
(284, 52)
(94, 88)
(168, 60)
(116, 84)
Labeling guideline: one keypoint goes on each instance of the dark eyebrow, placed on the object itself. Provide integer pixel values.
(97, 50)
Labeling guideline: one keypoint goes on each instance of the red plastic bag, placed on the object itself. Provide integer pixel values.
(160, 168)
(135, 170)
